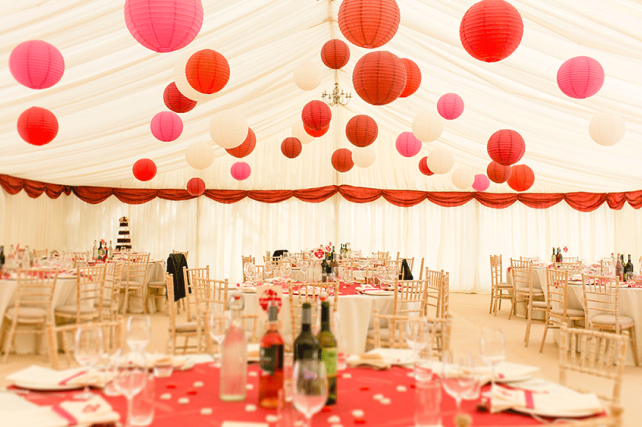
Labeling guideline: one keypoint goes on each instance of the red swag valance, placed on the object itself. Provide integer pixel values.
(581, 201)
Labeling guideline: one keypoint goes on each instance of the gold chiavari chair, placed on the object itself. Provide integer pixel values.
(190, 330)
(557, 311)
(499, 288)
(602, 310)
(573, 267)
(39, 254)
(32, 307)
(601, 355)
(90, 282)
(523, 292)
(410, 261)
(135, 273)
(421, 269)
(111, 290)
(190, 276)
(186, 253)
(436, 293)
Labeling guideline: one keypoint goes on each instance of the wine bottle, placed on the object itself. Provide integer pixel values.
(553, 257)
(271, 362)
(324, 269)
(94, 251)
(306, 346)
(233, 374)
(328, 345)
(619, 268)
(2, 257)
(110, 251)
(629, 266)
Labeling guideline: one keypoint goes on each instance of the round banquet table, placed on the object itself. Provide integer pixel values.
(355, 392)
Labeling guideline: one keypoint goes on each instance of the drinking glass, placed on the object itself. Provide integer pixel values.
(310, 387)
(250, 271)
(380, 274)
(492, 349)
(138, 332)
(131, 376)
(88, 351)
(304, 270)
(218, 323)
(457, 375)
(340, 273)
(417, 333)
(268, 269)
(392, 272)
(163, 360)
(286, 270)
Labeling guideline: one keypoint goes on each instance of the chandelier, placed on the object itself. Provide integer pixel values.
(337, 97)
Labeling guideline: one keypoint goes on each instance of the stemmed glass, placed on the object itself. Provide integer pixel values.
(492, 350)
(310, 387)
(340, 272)
(217, 324)
(269, 268)
(392, 272)
(380, 274)
(131, 377)
(458, 375)
(138, 332)
(250, 271)
(417, 334)
(88, 352)
(304, 269)
(286, 270)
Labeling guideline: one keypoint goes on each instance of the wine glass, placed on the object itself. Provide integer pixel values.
(340, 272)
(250, 271)
(304, 270)
(310, 387)
(131, 377)
(492, 350)
(380, 274)
(392, 272)
(88, 351)
(138, 332)
(269, 268)
(458, 375)
(286, 270)
(217, 324)
(417, 334)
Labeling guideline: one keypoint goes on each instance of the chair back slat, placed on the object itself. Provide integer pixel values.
(190, 276)
(601, 296)
(409, 297)
(521, 271)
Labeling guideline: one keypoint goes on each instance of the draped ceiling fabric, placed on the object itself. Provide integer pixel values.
(112, 87)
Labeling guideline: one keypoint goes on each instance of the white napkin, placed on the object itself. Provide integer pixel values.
(382, 358)
(40, 377)
(506, 372)
(81, 413)
(567, 403)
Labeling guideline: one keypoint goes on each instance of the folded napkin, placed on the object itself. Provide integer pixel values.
(153, 358)
(562, 404)
(382, 358)
(506, 372)
(68, 413)
(39, 377)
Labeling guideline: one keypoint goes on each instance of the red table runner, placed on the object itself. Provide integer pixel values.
(355, 392)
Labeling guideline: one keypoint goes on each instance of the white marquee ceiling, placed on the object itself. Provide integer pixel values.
(112, 87)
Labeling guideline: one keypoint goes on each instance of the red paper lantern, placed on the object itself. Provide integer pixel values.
(423, 166)
(379, 77)
(450, 106)
(342, 160)
(335, 54)
(207, 71)
(176, 101)
(195, 187)
(407, 144)
(521, 178)
(240, 171)
(580, 77)
(491, 30)
(506, 147)
(498, 173)
(166, 126)
(144, 169)
(291, 147)
(37, 126)
(246, 148)
(36, 64)
(362, 130)
(164, 25)
(369, 23)
(413, 78)
(316, 115)
(316, 133)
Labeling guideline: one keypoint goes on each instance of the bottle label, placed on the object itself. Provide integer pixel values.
(271, 359)
(329, 357)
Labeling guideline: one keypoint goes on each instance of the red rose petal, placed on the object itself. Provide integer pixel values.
(191, 391)
(359, 421)
(364, 388)
(413, 385)
(326, 409)
(171, 386)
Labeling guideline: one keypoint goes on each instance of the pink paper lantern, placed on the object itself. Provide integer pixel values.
(166, 126)
(196, 187)
(450, 106)
(240, 171)
(36, 64)
(164, 25)
(407, 144)
(580, 77)
(481, 182)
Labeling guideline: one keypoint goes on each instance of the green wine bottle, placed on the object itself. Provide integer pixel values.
(328, 344)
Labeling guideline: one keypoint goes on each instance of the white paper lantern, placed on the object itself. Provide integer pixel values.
(427, 126)
(307, 76)
(181, 79)
(200, 155)
(607, 128)
(228, 128)
(363, 157)
(463, 178)
(299, 132)
(440, 161)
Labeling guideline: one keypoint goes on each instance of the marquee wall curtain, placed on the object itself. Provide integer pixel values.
(581, 201)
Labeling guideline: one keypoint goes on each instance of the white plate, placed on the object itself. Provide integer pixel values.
(378, 292)
(47, 387)
(544, 412)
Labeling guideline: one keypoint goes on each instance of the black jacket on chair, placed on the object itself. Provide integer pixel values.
(175, 264)
(405, 274)
(280, 252)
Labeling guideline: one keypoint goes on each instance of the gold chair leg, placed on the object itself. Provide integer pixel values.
(541, 347)
(492, 299)
(528, 324)
(634, 346)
